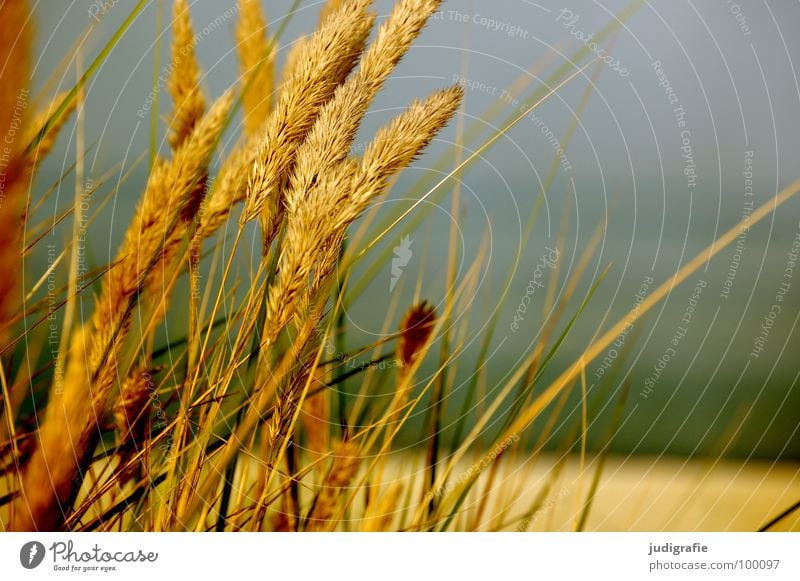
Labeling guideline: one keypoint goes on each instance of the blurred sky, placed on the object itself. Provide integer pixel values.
(668, 177)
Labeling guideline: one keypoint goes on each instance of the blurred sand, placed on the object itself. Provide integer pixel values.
(649, 494)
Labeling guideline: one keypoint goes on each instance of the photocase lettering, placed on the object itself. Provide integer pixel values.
(476, 468)
(569, 19)
(546, 507)
(547, 261)
(100, 8)
(65, 552)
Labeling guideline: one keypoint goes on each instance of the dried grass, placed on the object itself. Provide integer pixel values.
(259, 430)
(15, 47)
(183, 84)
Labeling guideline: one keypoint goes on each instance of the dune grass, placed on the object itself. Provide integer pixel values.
(243, 421)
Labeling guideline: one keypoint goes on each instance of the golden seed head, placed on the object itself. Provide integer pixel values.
(184, 78)
(256, 64)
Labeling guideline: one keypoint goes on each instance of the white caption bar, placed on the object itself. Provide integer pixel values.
(352, 557)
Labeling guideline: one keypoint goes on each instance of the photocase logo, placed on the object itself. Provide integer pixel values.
(31, 554)
(402, 256)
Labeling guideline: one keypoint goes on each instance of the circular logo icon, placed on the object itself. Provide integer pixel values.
(31, 554)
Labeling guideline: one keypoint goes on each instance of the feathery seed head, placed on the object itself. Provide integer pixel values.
(323, 62)
(184, 78)
(396, 35)
(396, 145)
(318, 219)
(329, 8)
(330, 139)
(309, 245)
(256, 64)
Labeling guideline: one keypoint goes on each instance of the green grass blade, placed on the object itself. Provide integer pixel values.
(96, 63)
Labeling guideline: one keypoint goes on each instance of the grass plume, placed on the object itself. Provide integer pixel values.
(256, 64)
(184, 80)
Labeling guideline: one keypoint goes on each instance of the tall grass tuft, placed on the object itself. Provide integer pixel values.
(258, 414)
